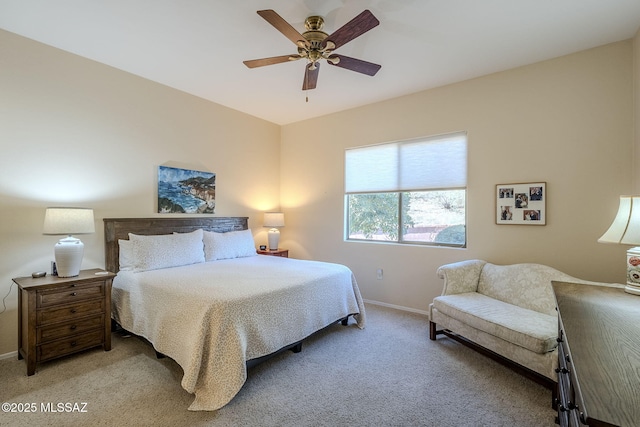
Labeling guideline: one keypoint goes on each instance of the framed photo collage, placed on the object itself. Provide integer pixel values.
(522, 204)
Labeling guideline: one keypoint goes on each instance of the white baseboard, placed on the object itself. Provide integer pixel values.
(8, 355)
(397, 307)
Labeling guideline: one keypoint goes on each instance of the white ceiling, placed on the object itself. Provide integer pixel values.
(197, 46)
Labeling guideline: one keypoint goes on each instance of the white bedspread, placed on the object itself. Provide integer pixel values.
(213, 317)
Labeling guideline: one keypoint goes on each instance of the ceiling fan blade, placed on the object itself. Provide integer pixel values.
(352, 29)
(353, 64)
(283, 26)
(310, 77)
(270, 61)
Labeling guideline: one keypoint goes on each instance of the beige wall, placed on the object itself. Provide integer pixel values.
(566, 121)
(77, 133)
(636, 112)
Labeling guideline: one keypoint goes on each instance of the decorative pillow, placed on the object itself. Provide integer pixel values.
(167, 250)
(127, 260)
(232, 244)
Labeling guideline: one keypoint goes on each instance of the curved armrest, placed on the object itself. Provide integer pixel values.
(461, 277)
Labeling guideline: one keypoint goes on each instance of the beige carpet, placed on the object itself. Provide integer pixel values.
(389, 374)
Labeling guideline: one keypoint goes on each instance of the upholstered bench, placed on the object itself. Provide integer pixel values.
(506, 310)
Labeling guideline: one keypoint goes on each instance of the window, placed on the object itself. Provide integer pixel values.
(408, 192)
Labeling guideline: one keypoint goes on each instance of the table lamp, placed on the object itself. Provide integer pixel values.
(69, 250)
(625, 230)
(273, 220)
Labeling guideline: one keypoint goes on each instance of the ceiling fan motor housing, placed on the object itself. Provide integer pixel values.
(313, 50)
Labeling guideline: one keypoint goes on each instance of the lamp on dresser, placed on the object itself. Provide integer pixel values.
(625, 230)
(69, 250)
(274, 220)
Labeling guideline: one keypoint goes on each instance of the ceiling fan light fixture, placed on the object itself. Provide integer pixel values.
(335, 60)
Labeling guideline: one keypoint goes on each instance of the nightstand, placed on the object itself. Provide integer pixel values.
(58, 316)
(276, 252)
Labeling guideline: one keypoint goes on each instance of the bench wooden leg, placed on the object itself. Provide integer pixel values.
(432, 330)
(297, 348)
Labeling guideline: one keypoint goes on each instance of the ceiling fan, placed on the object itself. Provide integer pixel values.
(314, 45)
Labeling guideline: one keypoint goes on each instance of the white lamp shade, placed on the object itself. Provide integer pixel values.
(625, 228)
(68, 221)
(273, 219)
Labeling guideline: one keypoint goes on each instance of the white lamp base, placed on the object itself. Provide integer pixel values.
(274, 239)
(68, 253)
(633, 271)
(630, 289)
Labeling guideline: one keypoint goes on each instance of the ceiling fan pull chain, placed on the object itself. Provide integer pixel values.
(306, 93)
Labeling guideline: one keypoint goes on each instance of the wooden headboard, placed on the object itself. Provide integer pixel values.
(119, 228)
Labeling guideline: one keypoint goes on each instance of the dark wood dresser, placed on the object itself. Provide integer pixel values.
(60, 316)
(599, 355)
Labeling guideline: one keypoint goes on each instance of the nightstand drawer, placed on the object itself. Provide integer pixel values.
(70, 345)
(52, 332)
(69, 312)
(69, 294)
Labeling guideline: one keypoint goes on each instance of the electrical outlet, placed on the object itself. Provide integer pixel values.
(379, 273)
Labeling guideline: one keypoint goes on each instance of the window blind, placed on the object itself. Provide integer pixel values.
(438, 162)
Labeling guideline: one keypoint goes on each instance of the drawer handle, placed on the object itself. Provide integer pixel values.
(73, 343)
(73, 285)
(73, 311)
(73, 327)
(73, 294)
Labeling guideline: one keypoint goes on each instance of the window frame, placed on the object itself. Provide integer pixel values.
(400, 220)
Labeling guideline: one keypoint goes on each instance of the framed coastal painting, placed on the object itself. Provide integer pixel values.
(186, 191)
(523, 203)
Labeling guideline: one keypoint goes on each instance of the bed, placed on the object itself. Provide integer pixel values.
(215, 307)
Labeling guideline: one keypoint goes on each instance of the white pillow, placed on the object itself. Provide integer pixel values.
(127, 261)
(167, 250)
(232, 244)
